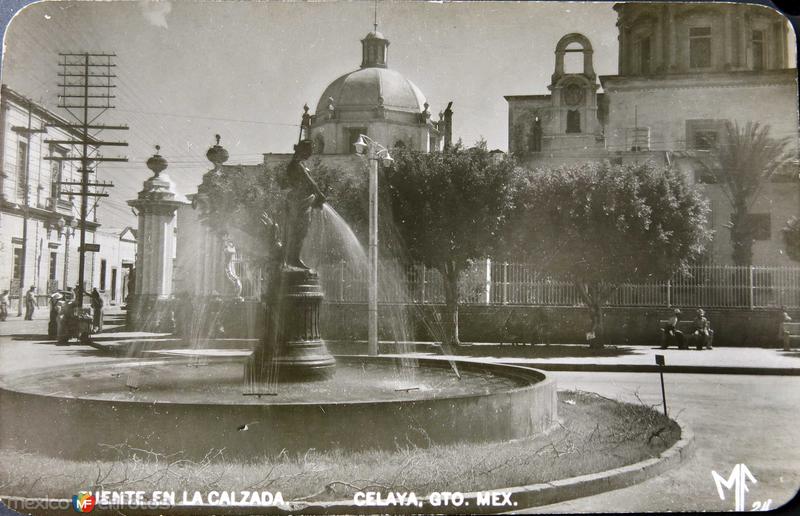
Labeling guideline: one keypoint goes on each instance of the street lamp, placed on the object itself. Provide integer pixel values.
(374, 152)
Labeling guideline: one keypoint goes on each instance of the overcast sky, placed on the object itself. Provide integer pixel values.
(188, 70)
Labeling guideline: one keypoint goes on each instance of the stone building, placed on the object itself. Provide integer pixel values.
(683, 71)
(39, 227)
(38, 237)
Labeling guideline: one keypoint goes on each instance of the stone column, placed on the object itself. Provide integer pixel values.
(156, 204)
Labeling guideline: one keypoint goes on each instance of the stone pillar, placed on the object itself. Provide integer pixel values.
(157, 204)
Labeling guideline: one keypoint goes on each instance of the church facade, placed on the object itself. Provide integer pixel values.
(683, 71)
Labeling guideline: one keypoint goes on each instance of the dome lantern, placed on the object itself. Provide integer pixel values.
(374, 50)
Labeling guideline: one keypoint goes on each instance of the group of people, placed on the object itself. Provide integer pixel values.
(69, 308)
(701, 334)
(61, 303)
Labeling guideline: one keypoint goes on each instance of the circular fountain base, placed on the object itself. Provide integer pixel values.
(193, 407)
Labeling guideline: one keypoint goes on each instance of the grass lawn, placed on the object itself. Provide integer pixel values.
(595, 434)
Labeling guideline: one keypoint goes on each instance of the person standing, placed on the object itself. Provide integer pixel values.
(30, 303)
(97, 310)
(52, 326)
(4, 305)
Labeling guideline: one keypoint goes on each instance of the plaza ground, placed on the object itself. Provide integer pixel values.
(736, 419)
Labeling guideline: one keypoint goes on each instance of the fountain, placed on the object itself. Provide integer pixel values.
(291, 347)
(288, 394)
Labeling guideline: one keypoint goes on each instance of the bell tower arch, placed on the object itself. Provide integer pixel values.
(574, 94)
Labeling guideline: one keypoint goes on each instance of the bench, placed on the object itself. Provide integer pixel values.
(685, 327)
(789, 331)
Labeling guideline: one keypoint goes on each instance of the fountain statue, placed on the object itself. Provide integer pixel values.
(291, 347)
(229, 249)
(164, 402)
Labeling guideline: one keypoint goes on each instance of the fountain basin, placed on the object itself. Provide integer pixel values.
(179, 405)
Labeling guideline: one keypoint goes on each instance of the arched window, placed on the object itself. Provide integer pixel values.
(573, 121)
(535, 144)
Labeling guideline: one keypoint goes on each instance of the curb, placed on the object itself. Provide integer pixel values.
(646, 368)
(533, 495)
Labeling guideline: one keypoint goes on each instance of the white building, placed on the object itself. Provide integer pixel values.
(39, 228)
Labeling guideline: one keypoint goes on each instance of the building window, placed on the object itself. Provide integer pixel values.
(704, 140)
(536, 136)
(102, 274)
(644, 55)
(56, 173)
(53, 265)
(22, 169)
(16, 265)
(700, 47)
(352, 137)
(639, 139)
(758, 50)
(573, 121)
(703, 134)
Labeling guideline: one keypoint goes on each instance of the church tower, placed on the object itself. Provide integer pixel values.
(566, 125)
(574, 94)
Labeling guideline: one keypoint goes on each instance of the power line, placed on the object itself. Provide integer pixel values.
(203, 117)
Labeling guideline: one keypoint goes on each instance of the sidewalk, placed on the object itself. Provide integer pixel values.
(115, 343)
(578, 357)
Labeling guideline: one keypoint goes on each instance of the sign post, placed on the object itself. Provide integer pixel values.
(660, 361)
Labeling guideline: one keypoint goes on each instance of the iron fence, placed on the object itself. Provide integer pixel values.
(497, 283)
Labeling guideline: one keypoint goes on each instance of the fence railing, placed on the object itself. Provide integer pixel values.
(495, 283)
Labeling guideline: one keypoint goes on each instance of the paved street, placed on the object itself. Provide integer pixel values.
(736, 419)
(751, 420)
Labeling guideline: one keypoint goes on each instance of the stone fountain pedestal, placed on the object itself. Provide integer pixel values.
(292, 347)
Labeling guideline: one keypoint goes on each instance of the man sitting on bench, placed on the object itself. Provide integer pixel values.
(702, 335)
(672, 335)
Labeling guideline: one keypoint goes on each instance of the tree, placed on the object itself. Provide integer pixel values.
(601, 225)
(742, 162)
(791, 238)
(449, 209)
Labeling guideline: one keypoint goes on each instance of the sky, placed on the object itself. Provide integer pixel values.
(189, 70)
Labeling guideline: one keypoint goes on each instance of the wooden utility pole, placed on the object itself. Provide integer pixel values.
(86, 82)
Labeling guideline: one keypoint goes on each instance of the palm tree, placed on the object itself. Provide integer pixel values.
(742, 162)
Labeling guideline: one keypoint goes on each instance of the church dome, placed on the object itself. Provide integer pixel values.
(363, 89)
(374, 85)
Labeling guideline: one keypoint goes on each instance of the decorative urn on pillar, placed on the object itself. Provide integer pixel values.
(150, 308)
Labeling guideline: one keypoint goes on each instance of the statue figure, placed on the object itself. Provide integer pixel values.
(230, 266)
(303, 195)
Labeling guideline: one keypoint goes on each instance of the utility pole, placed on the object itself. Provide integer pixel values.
(86, 82)
(27, 132)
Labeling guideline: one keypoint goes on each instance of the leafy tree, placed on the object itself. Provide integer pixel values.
(449, 209)
(791, 238)
(602, 225)
(742, 162)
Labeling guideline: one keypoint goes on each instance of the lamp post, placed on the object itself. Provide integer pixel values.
(375, 152)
